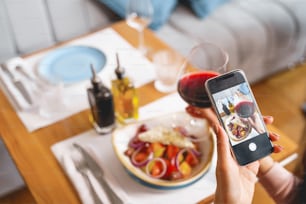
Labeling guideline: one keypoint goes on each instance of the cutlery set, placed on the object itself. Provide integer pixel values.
(37, 83)
(26, 84)
(20, 86)
(85, 165)
(82, 168)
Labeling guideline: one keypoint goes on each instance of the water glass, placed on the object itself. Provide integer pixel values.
(167, 66)
(51, 101)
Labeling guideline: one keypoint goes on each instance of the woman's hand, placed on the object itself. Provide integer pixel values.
(235, 183)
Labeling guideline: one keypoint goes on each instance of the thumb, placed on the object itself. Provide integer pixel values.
(223, 146)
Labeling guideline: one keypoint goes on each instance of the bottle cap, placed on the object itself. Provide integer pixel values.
(95, 80)
(119, 69)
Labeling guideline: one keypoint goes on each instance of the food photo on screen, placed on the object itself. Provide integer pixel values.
(238, 112)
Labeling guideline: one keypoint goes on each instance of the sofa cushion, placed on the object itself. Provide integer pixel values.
(252, 48)
(208, 29)
(261, 37)
(202, 8)
(280, 26)
(162, 10)
(297, 9)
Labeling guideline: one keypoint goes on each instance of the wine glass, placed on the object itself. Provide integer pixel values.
(205, 60)
(138, 16)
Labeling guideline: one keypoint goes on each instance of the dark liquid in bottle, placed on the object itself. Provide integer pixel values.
(192, 88)
(245, 109)
(105, 109)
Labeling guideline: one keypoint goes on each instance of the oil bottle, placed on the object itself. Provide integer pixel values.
(125, 96)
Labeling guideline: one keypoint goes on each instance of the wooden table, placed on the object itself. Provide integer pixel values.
(31, 151)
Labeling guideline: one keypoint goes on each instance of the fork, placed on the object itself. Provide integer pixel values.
(82, 168)
(98, 173)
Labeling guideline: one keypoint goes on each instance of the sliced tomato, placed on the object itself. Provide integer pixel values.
(172, 151)
(156, 170)
(171, 167)
(191, 159)
(141, 156)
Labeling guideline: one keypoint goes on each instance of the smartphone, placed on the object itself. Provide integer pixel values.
(238, 112)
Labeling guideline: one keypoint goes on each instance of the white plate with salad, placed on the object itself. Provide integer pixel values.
(167, 152)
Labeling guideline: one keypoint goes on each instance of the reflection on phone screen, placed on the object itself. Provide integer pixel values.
(239, 114)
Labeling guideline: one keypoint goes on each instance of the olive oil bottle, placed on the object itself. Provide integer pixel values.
(125, 96)
(231, 106)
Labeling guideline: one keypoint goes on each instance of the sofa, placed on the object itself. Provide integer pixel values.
(262, 37)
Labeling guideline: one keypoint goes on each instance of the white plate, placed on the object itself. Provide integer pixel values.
(236, 121)
(122, 136)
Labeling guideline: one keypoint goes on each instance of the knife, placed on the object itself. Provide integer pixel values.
(39, 84)
(18, 84)
(98, 173)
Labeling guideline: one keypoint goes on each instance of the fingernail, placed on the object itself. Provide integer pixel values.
(275, 135)
(281, 147)
(277, 148)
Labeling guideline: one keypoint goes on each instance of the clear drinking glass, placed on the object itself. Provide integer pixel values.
(167, 66)
(204, 61)
(139, 15)
(52, 103)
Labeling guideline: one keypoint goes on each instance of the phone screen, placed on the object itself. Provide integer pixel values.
(239, 113)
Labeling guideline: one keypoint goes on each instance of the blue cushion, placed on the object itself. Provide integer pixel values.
(162, 10)
(202, 8)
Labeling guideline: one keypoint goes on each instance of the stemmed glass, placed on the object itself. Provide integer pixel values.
(204, 61)
(139, 14)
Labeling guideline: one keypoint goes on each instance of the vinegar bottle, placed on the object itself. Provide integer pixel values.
(101, 105)
(225, 109)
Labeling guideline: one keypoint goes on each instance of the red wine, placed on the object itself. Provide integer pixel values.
(245, 109)
(191, 88)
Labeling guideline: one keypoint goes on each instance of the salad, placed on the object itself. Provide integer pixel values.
(238, 128)
(164, 153)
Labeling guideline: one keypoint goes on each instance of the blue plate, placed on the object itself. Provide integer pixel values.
(71, 64)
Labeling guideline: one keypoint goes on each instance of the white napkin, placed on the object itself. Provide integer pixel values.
(14, 95)
(126, 187)
(138, 68)
(77, 179)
